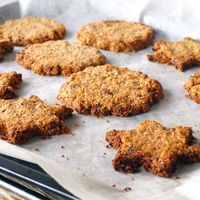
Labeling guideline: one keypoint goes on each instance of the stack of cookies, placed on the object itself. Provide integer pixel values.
(97, 88)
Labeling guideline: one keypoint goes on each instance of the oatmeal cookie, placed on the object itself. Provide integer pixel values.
(8, 82)
(30, 30)
(116, 35)
(182, 54)
(109, 90)
(5, 47)
(192, 86)
(25, 118)
(156, 148)
(59, 58)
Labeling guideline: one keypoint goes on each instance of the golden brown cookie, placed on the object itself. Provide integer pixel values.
(59, 58)
(8, 82)
(25, 118)
(30, 30)
(192, 86)
(116, 35)
(110, 90)
(182, 54)
(156, 148)
(5, 47)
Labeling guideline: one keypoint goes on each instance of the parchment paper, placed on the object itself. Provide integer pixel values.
(81, 162)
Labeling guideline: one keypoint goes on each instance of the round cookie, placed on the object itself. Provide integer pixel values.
(30, 30)
(59, 58)
(109, 90)
(116, 35)
(192, 86)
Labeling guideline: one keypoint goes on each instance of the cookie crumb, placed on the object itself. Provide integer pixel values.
(36, 149)
(104, 155)
(76, 125)
(127, 189)
(71, 133)
(177, 177)
(63, 156)
(62, 147)
(107, 121)
(113, 185)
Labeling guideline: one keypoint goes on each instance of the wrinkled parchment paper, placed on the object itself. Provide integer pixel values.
(81, 162)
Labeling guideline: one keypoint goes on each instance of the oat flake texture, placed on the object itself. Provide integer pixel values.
(153, 146)
(182, 54)
(26, 118)
(116, 35)
(192, 86)
(110, 90)
(59, 57)
(30, 30)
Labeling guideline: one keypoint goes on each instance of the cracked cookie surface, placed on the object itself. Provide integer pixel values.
(8, 82)
(109, 90)
(30, 30)
(192, 86)
(59, 58)
(116, 35)
(25, 118)
(182, 54)
(156, 148)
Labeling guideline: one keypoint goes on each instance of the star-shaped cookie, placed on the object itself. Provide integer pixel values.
(25, 118)
(182, 54)
(8, 82)
(192, 86)
(157, 148)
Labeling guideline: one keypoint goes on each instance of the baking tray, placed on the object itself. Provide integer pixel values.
(28, 179)
(84, 165)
